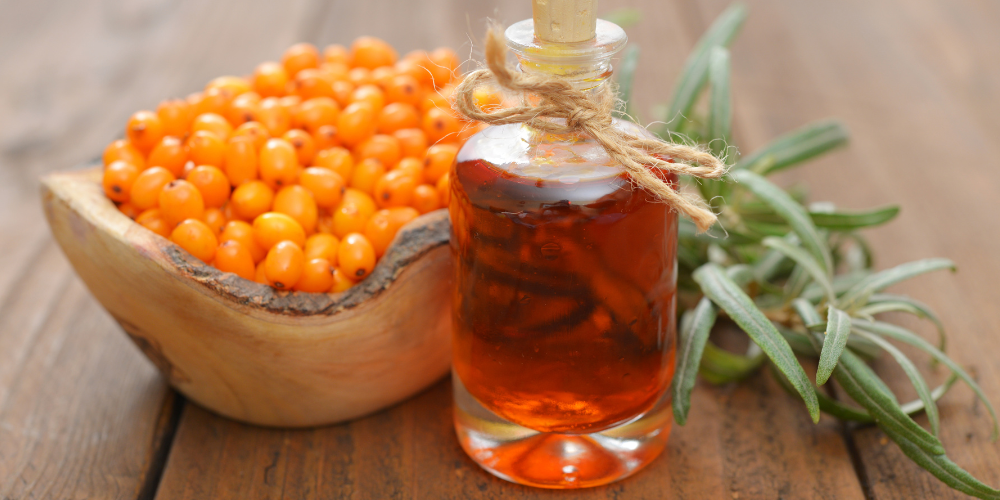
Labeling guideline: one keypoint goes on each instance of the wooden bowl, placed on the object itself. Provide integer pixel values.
(245, 350)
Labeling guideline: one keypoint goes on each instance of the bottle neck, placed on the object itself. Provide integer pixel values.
(587, 64)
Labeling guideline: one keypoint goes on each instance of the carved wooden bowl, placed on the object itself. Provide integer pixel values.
(245, 350)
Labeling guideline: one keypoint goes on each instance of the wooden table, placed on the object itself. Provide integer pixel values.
(84, 415)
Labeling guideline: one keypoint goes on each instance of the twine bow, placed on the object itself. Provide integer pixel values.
(557, 98)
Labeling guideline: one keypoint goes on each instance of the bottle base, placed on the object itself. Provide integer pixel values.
(552, 460)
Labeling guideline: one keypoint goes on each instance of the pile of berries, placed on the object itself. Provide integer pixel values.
(300, 175)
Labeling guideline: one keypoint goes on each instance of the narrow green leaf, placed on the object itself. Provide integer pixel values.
(796, 147)
(695, 73)
(942, 467)
(904, 335)
(626, 78)
(741, 274)
(791, 211)
(720, 112)
(841, 284)
(859, 294)
(804, 260)
(727, 295)
(859, 381)
(884, 302)
(916, 379)
(917, 405)
(624, 17)
(805, 310)
(719, 366)
(695, 327)
(849, 221)
(838, 330)
(827, 404)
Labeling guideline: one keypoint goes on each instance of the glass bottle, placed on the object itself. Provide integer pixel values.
(564, 293)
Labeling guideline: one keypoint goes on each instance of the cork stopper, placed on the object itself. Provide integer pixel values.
(565, 21)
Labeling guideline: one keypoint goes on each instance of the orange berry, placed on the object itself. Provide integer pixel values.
(270, 79)
(412, 142)
(299, 57)
(363, 201)
(181, 200)
(317, 276)
(383, 75)
(215, 219)
(443, 66)
(440, 124)
(144, 130)
(311, 83)
(254, 131)
(206, 148)
(404, 89)
(292, 104)
(342, 90)
(440, 99)
(175, 116)
(382, 228)
(324, 224)
(325, 137)
(334, 71)
(396, 116)
(259, 276)
(251, 199)
(231, 85)
(242, 232)
(298, 203)
(278, 163)
(274, 116)
(118, 179)
(153, 220)
(426, 198)
(305, 146)
(444, 188)
(366, 174)
(317, 112)
(341, 283)
(241, 160)
(122, 150)
(337, 159)
(211, 101)
(356, 123)
(170, 154)
(145, 193)
(271, 227)
(411, 166)
(417, 69)
(438, 161)
(486, 99)
(283, 264)
(322, 246)
(383, 147)
(212, 183)
(336, 53)
(129, 210)
(355, 256)
(326, 186)
(244, 109)
(232, 257)
(213, 123)
(360, 76)
(197, 238)
(348, 218)
(394, 189)
(370, 52)
(370, 94)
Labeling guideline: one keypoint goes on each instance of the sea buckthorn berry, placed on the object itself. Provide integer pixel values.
(322, 246)
(197, 238)
(384, 224)
(298, 203)
(215, 219)
(292, 104)
(325, 137)
(259, 275)
(272, 227)
(370, 94)
(175, 116)
(339, 160)
(336, 53)
(170, 154)
(242, 232)
(356, 123)
(278, 164)
(342, 90)
(426, 198)
(231, 85)
(440, 124)
(382, 147)
(212, 183)
(144, 130)
(444, 65)
(181, 200)
(401, 216)
(486, 99)
(252, 199)
(440, 99)
(299, 57)
(348, 218)
(244, 109)
(334, 71)
(270, 79)
(122, 150)
(241, 160)
(129, 210)
(370, 52)
(206, 148)
(394, 189)
(360, 76)
(232, 257)
(254, 131)
(341, 283)
(411, 166)
(355, 256)
(213, 123)
(283, 264)
(274, 116)
(397, 116)
(415, 67)
(366, 174)
(145, 193)
(360, 199)
(438, 161)
(311, 83)
(324, 224)
(153, 220)
(444, 188)
(317, 112)
(383, 76)
(317, 276)
(326, 186)
(404, 89)
(412, 142)
(118, 179)
(305, 146)
(211, 101)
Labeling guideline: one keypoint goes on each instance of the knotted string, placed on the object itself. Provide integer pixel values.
(590, 114)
